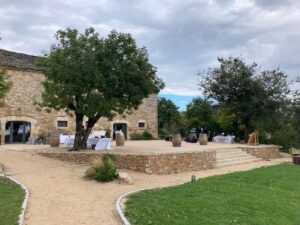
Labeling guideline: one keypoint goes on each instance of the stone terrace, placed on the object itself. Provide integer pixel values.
(159, 157)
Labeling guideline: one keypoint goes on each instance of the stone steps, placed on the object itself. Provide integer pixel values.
(234, 156)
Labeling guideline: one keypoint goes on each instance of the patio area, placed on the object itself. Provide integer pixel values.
(60, 195)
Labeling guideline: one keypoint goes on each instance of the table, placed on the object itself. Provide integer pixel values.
(224, 139)
(68, 140)
(103, 144)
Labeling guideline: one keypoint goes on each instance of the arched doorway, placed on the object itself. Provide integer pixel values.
(17, 132)
(118, 127)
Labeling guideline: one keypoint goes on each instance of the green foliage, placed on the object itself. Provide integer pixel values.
(103, 170)
(270, 193)
(199, 113)
(254, 98)
(11, 198)
(106, 172)
(4, 85)
(169, 117)
(90, 173)
(162, 133)
(142, 136)
(107, 157)
(94, 77)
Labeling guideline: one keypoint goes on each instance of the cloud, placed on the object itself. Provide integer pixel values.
(182, 37)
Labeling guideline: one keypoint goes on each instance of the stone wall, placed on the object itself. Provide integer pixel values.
(147, 112)
(20, 104)
(150, 164)
(263, 152)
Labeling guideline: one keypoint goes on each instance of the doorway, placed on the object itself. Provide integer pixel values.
(118, 127)
(17, 132)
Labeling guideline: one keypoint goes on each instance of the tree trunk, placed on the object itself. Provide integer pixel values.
(82, 134)
(79, 133)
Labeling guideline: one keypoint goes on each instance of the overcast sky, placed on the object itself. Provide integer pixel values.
(182, 37)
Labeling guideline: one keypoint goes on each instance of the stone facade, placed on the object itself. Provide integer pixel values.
(20, 103)
(150, 164)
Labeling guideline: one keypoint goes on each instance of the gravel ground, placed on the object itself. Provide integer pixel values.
(60, 195)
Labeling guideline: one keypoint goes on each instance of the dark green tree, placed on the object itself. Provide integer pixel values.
(168, 114)
(253, 97)
(92, 77)
(199, 113)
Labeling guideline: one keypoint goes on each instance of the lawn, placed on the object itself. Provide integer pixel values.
(11, 199)
(264, 196)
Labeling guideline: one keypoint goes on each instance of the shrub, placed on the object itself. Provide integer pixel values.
(90, 173)
(107, 172)
(163, 133)
(103, 169)
(144, 136)
(107, 156)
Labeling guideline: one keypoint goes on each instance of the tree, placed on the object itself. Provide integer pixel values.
(199, 113)
(168, 114)
(92, 77)
(4, 85)
(251, 96)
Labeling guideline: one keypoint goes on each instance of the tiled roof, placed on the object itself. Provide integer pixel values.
(18, 60)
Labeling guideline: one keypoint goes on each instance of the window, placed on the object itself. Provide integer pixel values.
(142, 124)
(62, 123)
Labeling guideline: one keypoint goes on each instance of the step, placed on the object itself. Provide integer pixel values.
(218, 165)
(236, 159)
(234, 155)
(228, 150)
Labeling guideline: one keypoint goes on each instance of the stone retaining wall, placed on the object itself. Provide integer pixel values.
(264, 152)
(150, 164)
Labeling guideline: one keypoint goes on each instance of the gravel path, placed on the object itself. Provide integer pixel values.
(59, 194)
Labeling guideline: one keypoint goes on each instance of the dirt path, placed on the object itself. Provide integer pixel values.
(59, 195)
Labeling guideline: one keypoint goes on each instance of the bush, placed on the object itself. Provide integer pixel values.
(90, 173)
(163, 133)
(107, 172)
(107, 157)
(144, 136)
(103, 169)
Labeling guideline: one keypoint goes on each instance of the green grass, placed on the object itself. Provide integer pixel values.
(11, 199)
(264, 196)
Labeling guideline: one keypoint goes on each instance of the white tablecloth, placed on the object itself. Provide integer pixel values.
(103, 144)
(224, 139)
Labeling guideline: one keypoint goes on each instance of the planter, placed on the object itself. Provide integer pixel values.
(203, 139)
(120, 139)
(54, 140)
(176, 140)
(296, 159)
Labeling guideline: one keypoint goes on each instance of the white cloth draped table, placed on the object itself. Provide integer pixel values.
(103, 144)
(224, 139)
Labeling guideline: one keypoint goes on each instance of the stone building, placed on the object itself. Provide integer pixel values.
(21, 119)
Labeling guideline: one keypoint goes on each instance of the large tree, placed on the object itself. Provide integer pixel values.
(168, 114)
(93, 77)
(199, 113)
(250, 95)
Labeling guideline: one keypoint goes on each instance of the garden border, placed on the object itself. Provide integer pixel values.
(120, 199)
(25, 202)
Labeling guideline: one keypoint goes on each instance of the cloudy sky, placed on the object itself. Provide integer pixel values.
(182, 37)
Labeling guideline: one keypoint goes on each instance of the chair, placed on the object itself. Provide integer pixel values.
(253, 139)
